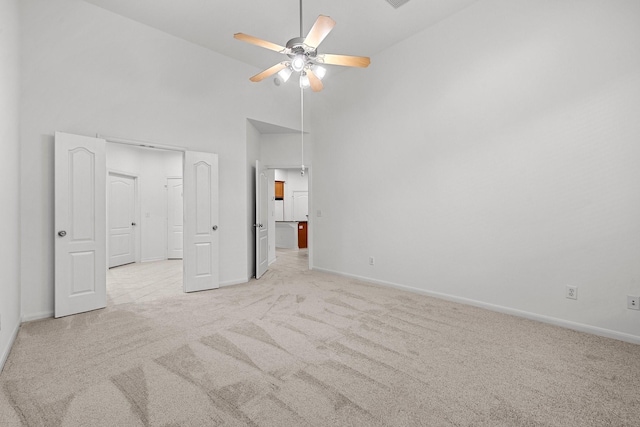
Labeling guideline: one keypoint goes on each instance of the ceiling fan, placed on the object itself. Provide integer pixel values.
(303, 55)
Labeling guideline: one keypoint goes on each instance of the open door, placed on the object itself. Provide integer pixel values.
(80, 224)
(200, 197)
(262, 220)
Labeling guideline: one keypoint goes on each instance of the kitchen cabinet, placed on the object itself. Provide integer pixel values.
(279, 190)
(302, 234)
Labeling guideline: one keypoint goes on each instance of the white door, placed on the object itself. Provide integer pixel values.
(300, 205)
(201, 221)
(262, 220)
(80, 224)
(174, 218)
(122, 219)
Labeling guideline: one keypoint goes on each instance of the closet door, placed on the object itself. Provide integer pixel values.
(175, 207)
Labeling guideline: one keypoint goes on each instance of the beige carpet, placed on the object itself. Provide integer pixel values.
(310, 349)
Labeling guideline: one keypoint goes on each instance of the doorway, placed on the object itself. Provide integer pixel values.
(276, 218)
(81, 257)
(289, 215)
(145, 223)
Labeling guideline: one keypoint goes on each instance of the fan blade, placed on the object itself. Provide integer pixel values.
(316, 84)
(268, 72)
(344, 60)
(321, 28)
(259, 42)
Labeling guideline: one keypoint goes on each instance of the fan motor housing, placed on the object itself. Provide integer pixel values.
(296, 46)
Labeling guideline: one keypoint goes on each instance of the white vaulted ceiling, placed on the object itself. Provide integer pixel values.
(364, 27)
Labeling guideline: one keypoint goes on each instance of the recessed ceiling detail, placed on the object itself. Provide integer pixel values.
(397, 3)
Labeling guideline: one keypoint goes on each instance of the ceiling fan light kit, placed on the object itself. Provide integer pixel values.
(303, 55)
(284, 74)
(319, 71)
(304, 80)
(298, 63)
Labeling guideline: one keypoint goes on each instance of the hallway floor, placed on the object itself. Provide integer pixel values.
(150, 281)
(143, 282)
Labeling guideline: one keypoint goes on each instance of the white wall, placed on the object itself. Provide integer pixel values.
(9, 176)
(498, 165)
(87, 71)
(152, 167)
(285, 149)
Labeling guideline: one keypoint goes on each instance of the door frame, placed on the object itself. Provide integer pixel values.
(311, 221)
(138, 235)
(153, 145)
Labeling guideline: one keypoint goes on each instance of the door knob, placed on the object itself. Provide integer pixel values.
(215, 227)
(62, 233)
(133, 223)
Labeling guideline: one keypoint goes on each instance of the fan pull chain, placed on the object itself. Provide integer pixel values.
(302, 131)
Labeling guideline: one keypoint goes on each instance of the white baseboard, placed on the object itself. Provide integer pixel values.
(37, 316)
(233, 282)
(153, 259)
(581, 327)
(5, 354)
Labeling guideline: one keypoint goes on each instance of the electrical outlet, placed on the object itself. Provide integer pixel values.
(633, 303)
(372, 260)
(572, 292)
